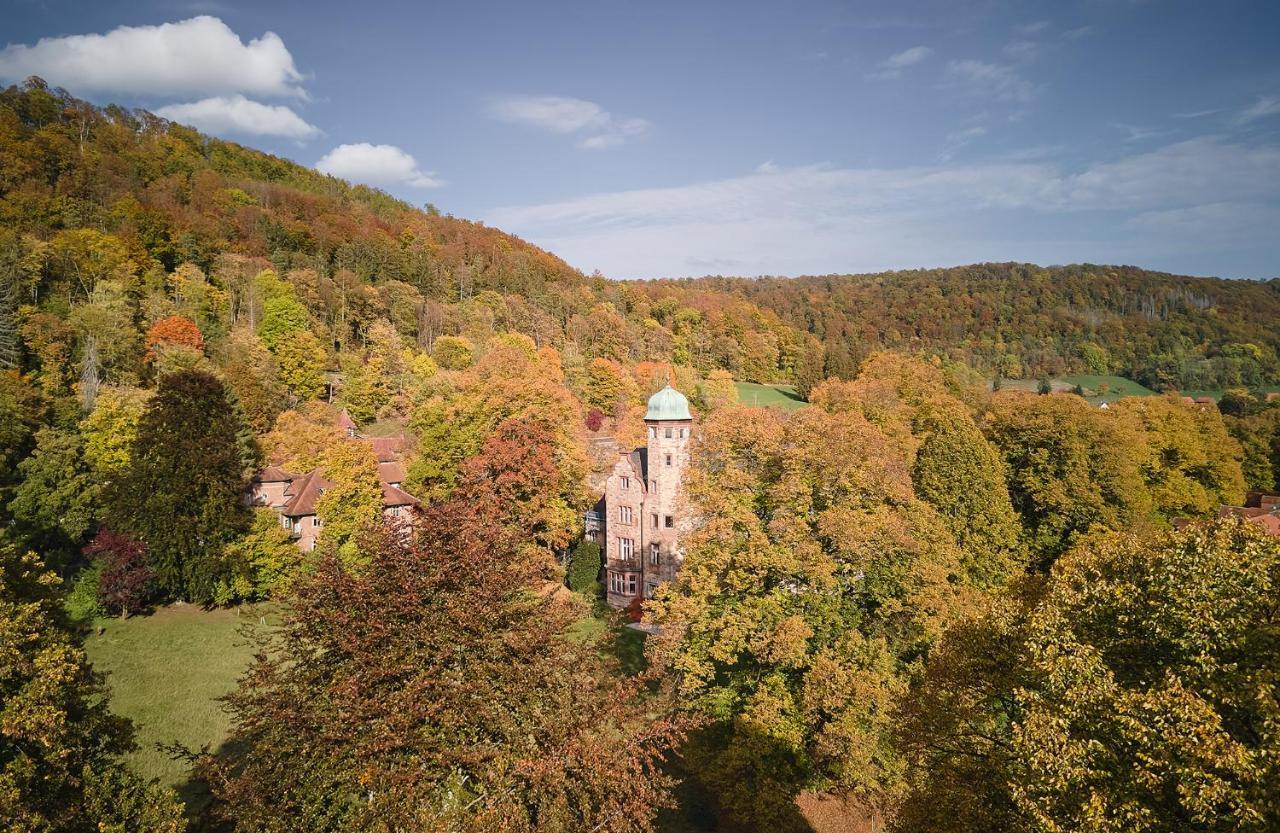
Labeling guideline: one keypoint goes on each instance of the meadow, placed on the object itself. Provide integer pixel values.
(763, 396)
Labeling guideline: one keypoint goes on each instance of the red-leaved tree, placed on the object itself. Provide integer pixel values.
(176, 330)
(126, 583)
(595, 418)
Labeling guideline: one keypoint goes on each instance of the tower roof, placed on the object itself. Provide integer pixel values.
(668, 403)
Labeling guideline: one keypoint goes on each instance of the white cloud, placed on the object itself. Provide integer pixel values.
(1136, 133)
(991, 81)
(1022, 50)
(1264, 107)
(892, 66)
(1080, 32)
(237, 114)
(376, 165)
(1032, 28)
(200, 56)
(563, 115)
(817, 219)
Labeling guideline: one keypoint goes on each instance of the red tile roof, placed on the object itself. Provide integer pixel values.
(303, 493)
(387, 448)
(391, 472)
(345, 422)
(394, 496)
(273, 474)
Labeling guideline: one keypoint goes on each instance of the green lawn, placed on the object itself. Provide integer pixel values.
(166, 672)
(750, 393)
(1097, 389)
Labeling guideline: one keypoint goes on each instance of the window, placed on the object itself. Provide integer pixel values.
(682, 434)
(624, 584)
(624, 514)
(632, 583)
(653, 485)
(653, 432)
(669, 522)
(654, 519)
(655, 554)
(624, 549)
(615, 582)
(285, 522)
(626, 482)
(668, 459)
(315, 520)
(667, 433)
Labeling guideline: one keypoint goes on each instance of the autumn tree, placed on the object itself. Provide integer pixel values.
(813, 585)
(718, 390)
(125, 582)
(607, 385)
(181, 494)
(436, 690)
(353, 501)
(57, 499)
(110, 429)
(1072, 468)
(1131, 694)
(453, 352)
(60, 766)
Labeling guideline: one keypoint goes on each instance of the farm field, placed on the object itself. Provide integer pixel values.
(763, 396)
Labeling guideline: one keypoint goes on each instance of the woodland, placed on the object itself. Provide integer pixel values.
(959, 606)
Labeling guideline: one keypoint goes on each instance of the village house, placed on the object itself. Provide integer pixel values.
(641, 517)
(294, 496)
(1260, 509)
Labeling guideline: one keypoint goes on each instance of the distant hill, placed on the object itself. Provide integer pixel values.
(156, 195)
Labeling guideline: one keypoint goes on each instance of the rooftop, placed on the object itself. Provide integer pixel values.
(668, 403)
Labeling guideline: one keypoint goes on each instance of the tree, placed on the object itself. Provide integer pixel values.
(60, 767)
(808, 593)
(437, 690)
(125, 582)
(607, 385)
(354, 502)
(302, 361)
(584, 568)
(1132, 694)
(453, 352)
(718, 390)
(266, 557)
(181, 495)
(283, 318)
(1072, 469)
(57, 496)
(110, 430)
(177, 332)
(1043, 386)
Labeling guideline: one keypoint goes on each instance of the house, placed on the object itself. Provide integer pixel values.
(641, 517)
(1260, 509)
(294, 496)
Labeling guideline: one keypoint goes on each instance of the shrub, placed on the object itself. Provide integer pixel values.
(81, 602)
(584, 567)
(595, 418)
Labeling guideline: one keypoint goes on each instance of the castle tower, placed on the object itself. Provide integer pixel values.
(669, 427)
(643, 503)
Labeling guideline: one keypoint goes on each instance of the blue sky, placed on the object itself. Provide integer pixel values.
(656, 139)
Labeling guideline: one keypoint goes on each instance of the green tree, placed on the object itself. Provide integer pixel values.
(181, 494)
(110, 430)
(354, 502)
(1135, 693)
(57, 496)
(584, 568)
(302, 361)
(60, 767)
(264, 562)
(718, 390)
(283, 318)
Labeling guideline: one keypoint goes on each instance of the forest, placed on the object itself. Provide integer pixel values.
(953, 606)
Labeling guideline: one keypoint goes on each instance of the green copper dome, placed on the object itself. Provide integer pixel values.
(668, 403)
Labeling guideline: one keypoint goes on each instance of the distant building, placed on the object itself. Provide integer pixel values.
(1260, 509)
(294, 496)
(640, 518)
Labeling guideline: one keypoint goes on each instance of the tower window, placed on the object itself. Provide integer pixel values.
(653, 485)
(682, 430)
(626, 482)
(669, 522)
(624, 514)
(668, 459)
(653, 432)
(667, 433)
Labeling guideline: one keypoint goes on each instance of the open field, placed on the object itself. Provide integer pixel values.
(750, 393)
(166, 672)
(1097, 389)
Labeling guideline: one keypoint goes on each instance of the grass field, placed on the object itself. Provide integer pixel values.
(750, 393)
(1097, 389)
(166, 672)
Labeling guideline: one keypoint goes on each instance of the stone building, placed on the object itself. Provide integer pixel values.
(294, 496)
(642, 509)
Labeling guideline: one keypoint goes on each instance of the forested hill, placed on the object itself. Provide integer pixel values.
(1024, 320)
(109, 200)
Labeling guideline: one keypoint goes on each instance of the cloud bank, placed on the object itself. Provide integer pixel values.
(237, 114)
(201, 56)
(816, 219)
(376, 165)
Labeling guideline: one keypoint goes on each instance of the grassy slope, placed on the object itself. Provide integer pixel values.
(166, 672)
(1117, 387)
(750, 393)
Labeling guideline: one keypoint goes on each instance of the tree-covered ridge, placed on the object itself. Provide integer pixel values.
(1022, 320)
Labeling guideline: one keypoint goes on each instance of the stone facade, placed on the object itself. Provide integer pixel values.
(643, 507)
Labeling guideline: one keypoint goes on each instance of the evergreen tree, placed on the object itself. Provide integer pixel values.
(181, 493)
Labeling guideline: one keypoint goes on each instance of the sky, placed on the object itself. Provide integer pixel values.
(669, 139)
